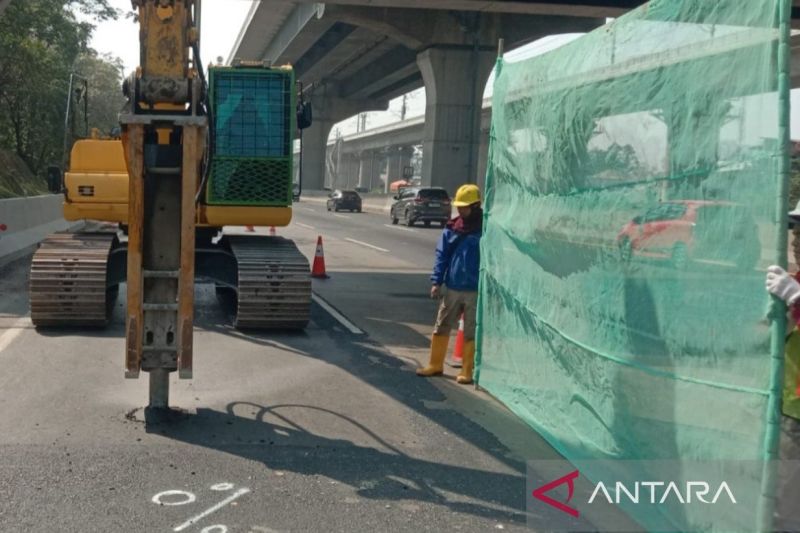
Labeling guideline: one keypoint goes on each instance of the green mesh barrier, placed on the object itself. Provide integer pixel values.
(635, 195)
(254, 123)
(246, 181)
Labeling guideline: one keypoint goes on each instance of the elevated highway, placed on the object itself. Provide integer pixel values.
(356, 55)
(373, 158)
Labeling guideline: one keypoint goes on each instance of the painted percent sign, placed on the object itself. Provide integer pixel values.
(183, 497)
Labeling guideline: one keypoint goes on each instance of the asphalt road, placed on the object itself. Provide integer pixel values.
(329, 430)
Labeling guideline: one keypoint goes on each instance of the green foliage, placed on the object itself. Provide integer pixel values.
(16, 179)
(41, 42)
(104, 74)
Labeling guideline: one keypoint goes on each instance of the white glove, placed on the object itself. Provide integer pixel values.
(783, 285)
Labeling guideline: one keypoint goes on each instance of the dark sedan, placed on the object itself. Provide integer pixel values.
(421, 204)
(344, 201)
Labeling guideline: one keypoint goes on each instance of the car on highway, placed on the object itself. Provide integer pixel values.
(682, 231)
(421, 204)
(340, 200)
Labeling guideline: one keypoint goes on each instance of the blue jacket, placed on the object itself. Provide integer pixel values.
(458, 260)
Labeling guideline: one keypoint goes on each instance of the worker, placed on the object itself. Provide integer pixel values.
(455, 282)
(786, 287)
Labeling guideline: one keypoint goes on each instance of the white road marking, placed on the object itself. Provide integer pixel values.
(401, 228)
(219, 528)
(305, 226)
(188, 495)
(341, 319)
(217, 507)
(12, 333)
(340, 216)
(367, 245)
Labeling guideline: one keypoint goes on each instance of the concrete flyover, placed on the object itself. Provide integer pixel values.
(373, 158)
(354, 56)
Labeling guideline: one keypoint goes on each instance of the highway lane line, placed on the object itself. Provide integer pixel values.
(305, 226)
(401, 228)
(340, 216)
(366, 244)
(340, 318)
(12, 333)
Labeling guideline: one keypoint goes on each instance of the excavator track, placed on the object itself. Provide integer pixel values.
(68, 283)
(274, 287)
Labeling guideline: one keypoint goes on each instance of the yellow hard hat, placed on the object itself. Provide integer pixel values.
(467, 195)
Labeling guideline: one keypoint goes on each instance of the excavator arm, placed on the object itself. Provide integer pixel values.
(164, 132)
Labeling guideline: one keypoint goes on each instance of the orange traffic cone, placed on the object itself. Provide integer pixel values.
(250, 229)
(272, 231)
(318, 270)
(458, 349)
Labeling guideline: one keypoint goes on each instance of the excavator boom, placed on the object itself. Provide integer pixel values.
(164, 134)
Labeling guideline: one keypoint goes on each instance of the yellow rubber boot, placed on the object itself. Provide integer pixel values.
(438, 353)
(467, 363)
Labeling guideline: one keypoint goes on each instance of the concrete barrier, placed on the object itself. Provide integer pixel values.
(27, 221)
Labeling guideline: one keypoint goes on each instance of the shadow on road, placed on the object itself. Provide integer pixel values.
(268, 434)
(379, 473)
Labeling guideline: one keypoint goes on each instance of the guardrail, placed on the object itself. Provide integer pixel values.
(24, 222)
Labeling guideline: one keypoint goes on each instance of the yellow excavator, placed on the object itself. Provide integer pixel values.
(198, 151)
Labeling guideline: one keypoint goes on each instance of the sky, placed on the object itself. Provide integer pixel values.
(222, 20)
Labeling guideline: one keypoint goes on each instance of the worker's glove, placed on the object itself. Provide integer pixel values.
(436, 292)
(783, 285)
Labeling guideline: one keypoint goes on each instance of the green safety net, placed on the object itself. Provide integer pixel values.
(635, 196)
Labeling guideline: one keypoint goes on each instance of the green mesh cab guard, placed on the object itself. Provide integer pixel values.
(254, 125)
(636, 193)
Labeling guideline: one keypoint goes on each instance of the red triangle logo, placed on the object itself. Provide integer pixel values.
(569, 479)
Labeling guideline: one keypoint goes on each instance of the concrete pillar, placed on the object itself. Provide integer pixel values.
(329, 180)
(455, 79)
(399, 158)
(329, 109)
(315, 143)
(350, 166)
(383, 171)
(483, 159)
(367, 170)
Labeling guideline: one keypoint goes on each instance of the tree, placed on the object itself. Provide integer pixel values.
(40, 41)
(104, 74)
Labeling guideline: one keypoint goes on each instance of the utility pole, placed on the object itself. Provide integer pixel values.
(338, 154)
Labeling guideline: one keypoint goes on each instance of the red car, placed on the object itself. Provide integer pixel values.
(693, 230)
